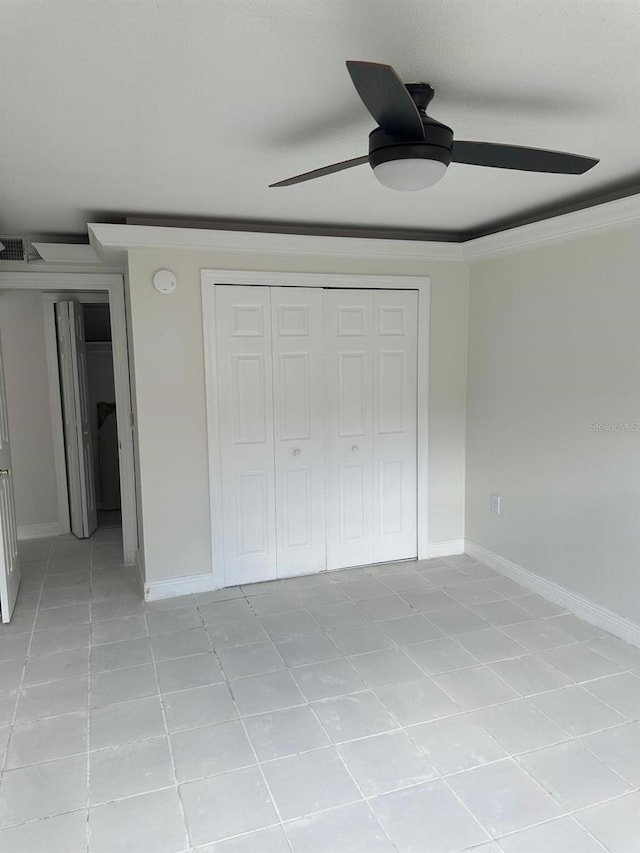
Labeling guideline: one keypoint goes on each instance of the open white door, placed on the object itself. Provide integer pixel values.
(9, 562)
(77, 427)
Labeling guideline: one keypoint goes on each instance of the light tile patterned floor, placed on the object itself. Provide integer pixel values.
(418, 708)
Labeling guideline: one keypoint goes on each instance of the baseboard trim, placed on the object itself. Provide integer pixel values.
(618, 625)
(39, 531)
(155, 590)
(445, 548)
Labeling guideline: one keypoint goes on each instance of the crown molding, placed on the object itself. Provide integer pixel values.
(111, 242)
(567, 226)
(107, 239)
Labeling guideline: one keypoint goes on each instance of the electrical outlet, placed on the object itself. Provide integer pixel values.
(494, 504)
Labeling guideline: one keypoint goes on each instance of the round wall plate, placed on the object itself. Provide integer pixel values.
(164, 281)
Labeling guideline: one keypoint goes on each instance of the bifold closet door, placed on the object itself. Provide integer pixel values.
(243, 334)
(298, 355)
(371, 417)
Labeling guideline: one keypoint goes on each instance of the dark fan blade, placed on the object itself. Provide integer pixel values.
(319, 173)
(386, 97)
(516, 157)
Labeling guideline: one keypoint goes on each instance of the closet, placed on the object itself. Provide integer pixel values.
(317, 397)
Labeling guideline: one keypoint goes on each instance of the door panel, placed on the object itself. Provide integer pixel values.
(299, 429)
(395, 342)
(348, 366)
(243, 334)
(77, 426)
(9, 560)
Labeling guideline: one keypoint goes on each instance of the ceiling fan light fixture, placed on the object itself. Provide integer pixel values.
(410, 174)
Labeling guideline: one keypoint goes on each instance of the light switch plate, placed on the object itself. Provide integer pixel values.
(494, 504)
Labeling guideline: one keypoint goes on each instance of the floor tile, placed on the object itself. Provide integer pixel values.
(579, 662)
(34, 792)
(210, 750)
(617, 651)
(133, 768)
(149, 823)
(428, 602)
(307, 648)
(355, 716)
(577, 628)
(357, 639)
(120, 685)
(457, 620)
(65, 833)
(385, 607)
(120, 655)
(538, 635)
(428, 811)
(288, 732)
(539, 606)
(327, 678)
(519, 726)
(180, 644)
(490, 645)
(13, 648)
(50, 700)
(455, 743)
(62, 617)
(475, 688)
(562, 835)
(388, 666)
(409, 581)
(619, 749)
(311, 782)
(194, 671)
(506, 587)
(529, 674)
(386, 762)
(224, 806)
(225, 611)
(8, 700)
(169, 621)
(573, 775)
(45, 740)
(60, 639)
(339, 615)
(503, 612)
(242, 661)
(417, 701)
(290, 624)
(274, 603)
(270, 840)
(115, 630)
(125, 722)
(621, 692)
(503, 797)
(73, 663)
(316, 596)
(364, 587)
(473, 593)
(350, 829)
(240, 633)
(438, 656)
(577, 710)
(261, 693)
(615, 824)
(410, 629)
(198, 706)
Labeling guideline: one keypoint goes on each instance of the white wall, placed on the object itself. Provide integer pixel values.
(554, 348)
(168, 363)
(25, 365)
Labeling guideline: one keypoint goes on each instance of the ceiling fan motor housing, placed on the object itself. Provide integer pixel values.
(436, 145)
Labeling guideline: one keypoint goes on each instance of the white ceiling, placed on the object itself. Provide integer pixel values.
(192, 107)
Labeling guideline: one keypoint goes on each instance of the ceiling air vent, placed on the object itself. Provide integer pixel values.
(13, 249)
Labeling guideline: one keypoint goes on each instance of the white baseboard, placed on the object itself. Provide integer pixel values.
(618, 625)
(445, 548)
(39, 531)
(155, 590)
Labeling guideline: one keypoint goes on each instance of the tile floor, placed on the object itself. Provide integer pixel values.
(417, 708)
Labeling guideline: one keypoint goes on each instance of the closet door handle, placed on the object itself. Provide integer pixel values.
(296, 451)
(355, 448)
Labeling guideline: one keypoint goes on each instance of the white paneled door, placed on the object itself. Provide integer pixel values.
(371, 406)
(77, 425)
(317, 393)
(298, 369)
(9, 560)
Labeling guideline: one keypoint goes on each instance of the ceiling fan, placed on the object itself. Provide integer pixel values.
(409, 150)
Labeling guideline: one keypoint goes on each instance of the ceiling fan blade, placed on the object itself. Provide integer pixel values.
(516, 157)
(319, 173)
(386, 97)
